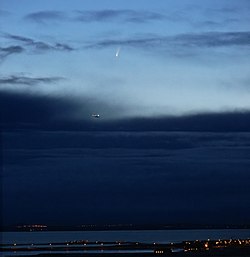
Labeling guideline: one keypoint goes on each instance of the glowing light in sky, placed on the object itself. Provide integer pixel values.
(117, 52)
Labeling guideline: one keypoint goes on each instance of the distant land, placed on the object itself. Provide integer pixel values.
(103, 227)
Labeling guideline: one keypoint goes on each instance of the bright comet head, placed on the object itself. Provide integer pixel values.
(117, 52)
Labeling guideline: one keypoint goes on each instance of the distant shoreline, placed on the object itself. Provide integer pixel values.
(130, 227)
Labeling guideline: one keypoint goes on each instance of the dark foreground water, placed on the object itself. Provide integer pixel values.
(159, 236)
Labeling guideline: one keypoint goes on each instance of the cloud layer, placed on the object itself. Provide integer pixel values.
(69, 113)
(39, 45)
(211, 39)
(6, 51)
(140, 177)
(106, 15)
(45, 16)
(23, 44)
(29, 81)
(118, 15)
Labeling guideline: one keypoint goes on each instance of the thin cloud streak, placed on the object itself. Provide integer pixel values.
(4, 13)
(39, 45)
(6, 51)
(29, 81)
(107, 15)
(118, 15)
(45, 16)
(210, 39)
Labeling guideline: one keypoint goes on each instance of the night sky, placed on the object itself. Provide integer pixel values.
(171, 83)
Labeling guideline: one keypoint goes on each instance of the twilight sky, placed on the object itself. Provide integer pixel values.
(171, 82)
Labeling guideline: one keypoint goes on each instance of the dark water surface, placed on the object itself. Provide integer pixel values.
(150, 236)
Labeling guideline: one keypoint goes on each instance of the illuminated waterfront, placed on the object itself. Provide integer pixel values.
(225, 246)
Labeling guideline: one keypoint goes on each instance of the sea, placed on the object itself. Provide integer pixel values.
(143, 236)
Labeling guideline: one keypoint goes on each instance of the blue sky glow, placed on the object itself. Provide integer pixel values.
(177, 57)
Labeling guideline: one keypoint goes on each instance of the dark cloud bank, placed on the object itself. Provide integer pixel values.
(58, 113)
(59, 170)
(125, 177)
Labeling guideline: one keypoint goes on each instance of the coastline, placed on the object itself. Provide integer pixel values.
(180, 254)
(230, 247)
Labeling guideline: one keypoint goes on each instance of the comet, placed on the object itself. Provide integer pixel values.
(117, 52)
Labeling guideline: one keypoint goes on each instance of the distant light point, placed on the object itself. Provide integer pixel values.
(95, 115)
